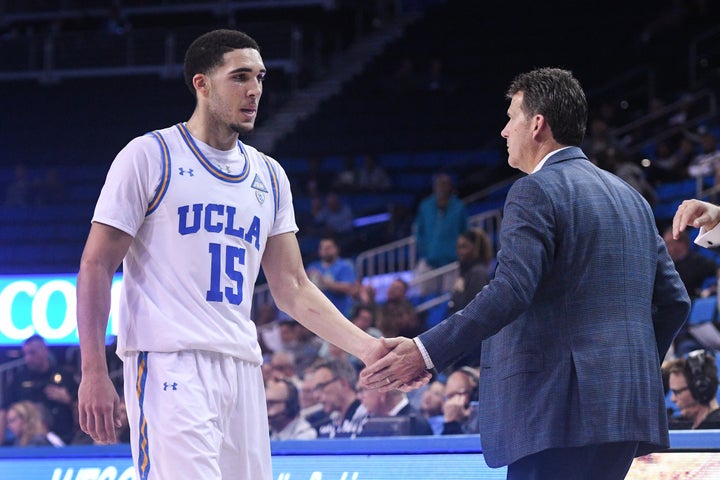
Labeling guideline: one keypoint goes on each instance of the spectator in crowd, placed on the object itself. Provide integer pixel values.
(599, 140)
(365, 293)
(707, 162)
(335, 217)
(393, 403)
(397, 314)
(440, 218)
(474, 253)
(363, 316)
(335, 381)
(334, 276)
(284, 366)
(460, 414)
(693, 382)
(311, 408)
(347, 178)
(431, 406)
(372, 177)
(24, 420)
(283, 410)
(397, 291)
(668, 164)
(301, 342)
(43, 381)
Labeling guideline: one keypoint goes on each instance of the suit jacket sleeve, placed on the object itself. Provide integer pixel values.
(670, 308)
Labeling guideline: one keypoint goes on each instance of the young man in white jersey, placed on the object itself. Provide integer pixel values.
(193, 213)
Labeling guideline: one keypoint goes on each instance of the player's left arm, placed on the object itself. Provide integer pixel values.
(296, 295)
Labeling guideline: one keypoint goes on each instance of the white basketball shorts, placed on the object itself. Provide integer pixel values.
(196, 415)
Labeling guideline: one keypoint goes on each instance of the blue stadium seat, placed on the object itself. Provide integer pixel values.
(394, 161)
(436, 315)
(675, 190)
(666, 210)
(703, 310)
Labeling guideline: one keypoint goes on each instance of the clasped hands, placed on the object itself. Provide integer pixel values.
(399, 365)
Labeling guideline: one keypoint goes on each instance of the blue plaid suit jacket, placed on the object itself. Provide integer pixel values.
(583, 306)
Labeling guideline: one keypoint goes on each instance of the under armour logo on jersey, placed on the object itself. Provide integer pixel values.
(172, 386)
(189, 171)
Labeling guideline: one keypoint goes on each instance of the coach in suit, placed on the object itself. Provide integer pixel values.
(583, 306)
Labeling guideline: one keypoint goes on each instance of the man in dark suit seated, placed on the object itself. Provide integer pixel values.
(584, 304)
(460, 405)
(383, 407)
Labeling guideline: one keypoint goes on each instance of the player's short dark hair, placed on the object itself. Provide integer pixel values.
(206, 52)
(557, 95)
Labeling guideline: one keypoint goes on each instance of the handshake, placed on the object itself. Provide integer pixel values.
(394, 364)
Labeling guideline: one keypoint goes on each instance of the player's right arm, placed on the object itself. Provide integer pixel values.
(98, 401)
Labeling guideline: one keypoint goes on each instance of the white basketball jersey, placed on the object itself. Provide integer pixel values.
(200, 218)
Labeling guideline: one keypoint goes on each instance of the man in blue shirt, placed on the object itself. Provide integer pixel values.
(333, 275)
(440, 219)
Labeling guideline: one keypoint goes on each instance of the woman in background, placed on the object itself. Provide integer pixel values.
(25, 420)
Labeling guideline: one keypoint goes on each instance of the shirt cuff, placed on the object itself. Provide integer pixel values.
(426, 358)
(709, 238)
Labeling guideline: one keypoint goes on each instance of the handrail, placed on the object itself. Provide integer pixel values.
(487, 191)
(399, 256)
(636, 82)
(396, 256)
(699, 107)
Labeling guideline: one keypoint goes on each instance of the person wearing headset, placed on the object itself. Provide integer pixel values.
(283, 408)
(693, 382)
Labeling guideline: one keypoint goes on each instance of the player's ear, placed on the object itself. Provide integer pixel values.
(201, 83)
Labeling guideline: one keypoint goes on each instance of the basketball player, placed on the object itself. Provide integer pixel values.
(192, 213)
